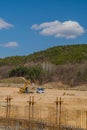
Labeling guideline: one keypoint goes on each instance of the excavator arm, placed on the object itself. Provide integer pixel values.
(24, 89)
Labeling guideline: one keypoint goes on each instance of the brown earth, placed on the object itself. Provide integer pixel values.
(45, 107)
(73, 98)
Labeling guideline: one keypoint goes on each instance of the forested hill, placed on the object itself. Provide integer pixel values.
(67, 64)
(57, 55)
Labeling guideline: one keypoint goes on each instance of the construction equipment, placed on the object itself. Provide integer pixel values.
(40, 90)
(30, 88)
(25, 88)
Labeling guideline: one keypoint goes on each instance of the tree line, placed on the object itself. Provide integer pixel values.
(34, 73)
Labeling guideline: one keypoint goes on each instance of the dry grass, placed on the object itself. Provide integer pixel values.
(72, 100)
(70, 97)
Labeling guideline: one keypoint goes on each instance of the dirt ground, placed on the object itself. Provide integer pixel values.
(72, 98)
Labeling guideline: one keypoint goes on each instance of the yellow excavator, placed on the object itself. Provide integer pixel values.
(25, 88)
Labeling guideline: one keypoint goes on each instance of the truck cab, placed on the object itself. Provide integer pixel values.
(40, 90)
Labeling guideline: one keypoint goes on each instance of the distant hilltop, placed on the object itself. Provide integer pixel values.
(56, 55)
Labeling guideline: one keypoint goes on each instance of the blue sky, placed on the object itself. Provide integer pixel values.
(28, 26)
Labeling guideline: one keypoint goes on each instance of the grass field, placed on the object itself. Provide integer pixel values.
(73, 100)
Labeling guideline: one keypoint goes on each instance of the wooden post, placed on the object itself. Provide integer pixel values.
(58, 111)
(33, 107)
(29, 103)
(8, 109)
(8, 100)
(60, 103)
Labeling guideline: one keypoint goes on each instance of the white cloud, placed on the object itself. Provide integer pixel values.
(9, 45)
(4, 24)
(67, 29)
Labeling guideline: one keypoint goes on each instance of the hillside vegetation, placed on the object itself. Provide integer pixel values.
(56, 55)
(67, 64)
